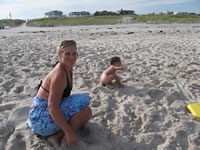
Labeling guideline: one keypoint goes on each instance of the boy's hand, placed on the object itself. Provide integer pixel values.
(125, 68)
(129, 70)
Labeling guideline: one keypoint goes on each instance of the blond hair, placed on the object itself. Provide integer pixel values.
(64, 44)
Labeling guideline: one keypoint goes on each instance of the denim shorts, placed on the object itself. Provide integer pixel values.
(40, 120)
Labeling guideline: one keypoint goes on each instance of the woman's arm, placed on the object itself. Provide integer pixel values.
(57, 86)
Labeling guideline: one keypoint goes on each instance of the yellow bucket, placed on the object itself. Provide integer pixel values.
(194, 109)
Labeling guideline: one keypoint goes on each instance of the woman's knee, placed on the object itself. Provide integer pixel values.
(89, 112)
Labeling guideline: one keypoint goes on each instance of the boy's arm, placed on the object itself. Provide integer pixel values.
(121, 68)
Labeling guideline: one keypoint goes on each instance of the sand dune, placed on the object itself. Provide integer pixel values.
(149, 113)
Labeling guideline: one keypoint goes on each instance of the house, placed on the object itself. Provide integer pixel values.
(170, 13)
(82, 13)
(126, 12)
(181, 13)
(54, 14)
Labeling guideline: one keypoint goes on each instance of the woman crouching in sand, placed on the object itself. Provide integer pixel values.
(55, 114)
(110, 73)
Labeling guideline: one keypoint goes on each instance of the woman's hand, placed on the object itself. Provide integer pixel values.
(71, 138)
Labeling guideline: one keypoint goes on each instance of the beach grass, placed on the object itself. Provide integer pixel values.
(99, 20)
(102, 20)
(11, 22)
(87, 20)
(168, 19)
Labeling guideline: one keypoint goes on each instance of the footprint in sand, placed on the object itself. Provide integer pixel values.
(175, 96)
(4, 135)
(156, 94)
(16, 142)
(8, 85)
(19, 89)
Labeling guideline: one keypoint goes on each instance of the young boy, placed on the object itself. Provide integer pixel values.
(109, 74)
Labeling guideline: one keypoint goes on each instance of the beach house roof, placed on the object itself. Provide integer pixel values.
(81, 13)
(52, 14)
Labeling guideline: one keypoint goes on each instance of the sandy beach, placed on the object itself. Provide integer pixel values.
(149, 113)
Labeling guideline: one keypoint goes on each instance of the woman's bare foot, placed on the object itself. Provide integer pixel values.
(54, 142)
(55, 139)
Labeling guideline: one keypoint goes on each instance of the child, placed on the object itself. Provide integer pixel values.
(109, 74)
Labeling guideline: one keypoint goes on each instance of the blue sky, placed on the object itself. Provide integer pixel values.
(30, 9)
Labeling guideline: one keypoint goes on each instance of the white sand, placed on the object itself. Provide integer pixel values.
(149, 113)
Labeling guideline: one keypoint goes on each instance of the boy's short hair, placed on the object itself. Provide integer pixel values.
(114, 59)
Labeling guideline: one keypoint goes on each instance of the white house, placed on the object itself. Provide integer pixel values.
(81, 13)
(54, 14)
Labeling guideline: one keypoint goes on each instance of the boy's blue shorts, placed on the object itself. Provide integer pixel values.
(40, 120)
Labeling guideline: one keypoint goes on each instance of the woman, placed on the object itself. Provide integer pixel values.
(55, 113)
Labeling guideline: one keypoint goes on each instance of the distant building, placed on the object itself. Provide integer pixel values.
(173, 13)
(81, 13)
(192, 13)
(170, 12)
(181, 13)
(127, 12)
(54, 14)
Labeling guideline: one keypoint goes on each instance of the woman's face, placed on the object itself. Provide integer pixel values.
(69, 56)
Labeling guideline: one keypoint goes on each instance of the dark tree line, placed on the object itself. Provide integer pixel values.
(111, 13)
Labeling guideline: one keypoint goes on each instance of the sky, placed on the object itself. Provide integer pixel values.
(32, 9)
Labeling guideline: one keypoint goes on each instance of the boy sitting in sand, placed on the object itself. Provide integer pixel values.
(109, 74)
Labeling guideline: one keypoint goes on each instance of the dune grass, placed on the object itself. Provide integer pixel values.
(11, 22)
(168, 19)
(88, 20)
(100, 20)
